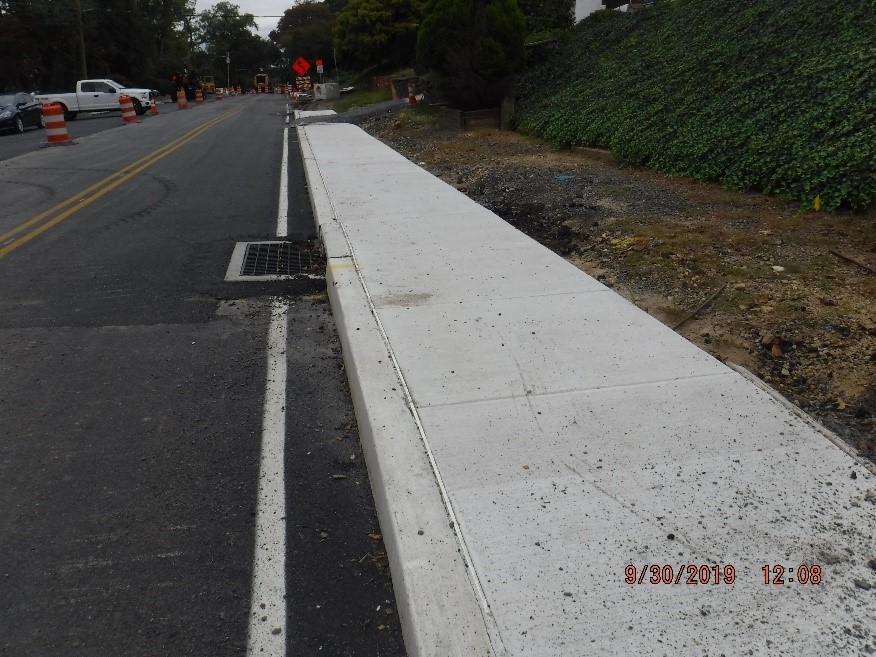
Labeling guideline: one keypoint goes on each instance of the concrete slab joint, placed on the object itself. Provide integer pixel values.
(531, 437)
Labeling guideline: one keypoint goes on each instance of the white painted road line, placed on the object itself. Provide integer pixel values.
(283, 204)
(267, 614)
(267, 611)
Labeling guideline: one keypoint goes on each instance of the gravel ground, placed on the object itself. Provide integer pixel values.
(775, 297)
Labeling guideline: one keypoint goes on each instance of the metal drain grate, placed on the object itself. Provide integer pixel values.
(266, 261)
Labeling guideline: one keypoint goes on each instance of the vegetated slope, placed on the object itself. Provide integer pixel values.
(766, 95)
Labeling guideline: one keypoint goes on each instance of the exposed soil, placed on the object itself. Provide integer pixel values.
(791, 312)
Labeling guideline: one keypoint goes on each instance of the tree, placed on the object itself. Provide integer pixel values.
(378, 32)
(223, 29)
(41, 41)
(471, 49)
(335, 6)
(24, 29)
(305, 30)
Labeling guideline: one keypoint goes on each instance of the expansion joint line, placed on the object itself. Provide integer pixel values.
(489, 620)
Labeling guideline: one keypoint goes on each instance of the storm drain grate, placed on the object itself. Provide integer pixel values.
(267, 261)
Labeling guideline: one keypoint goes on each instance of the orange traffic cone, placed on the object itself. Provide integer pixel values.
(56, 127)
(412, 99)
(128, 113)
(154, 108)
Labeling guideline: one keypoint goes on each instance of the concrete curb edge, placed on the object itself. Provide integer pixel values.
(437, 605)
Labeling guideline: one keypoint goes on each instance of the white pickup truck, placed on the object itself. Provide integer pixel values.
(98, 96)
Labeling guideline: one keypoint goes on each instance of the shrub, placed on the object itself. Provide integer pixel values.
(757, 95)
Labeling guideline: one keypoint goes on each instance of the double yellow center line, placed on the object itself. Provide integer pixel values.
(55, 215)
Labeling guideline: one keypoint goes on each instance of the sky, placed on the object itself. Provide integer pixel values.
(266, 12)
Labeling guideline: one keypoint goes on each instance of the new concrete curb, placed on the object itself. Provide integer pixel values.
(437, 604)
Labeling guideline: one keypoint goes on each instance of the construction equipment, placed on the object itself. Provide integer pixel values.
(261, 83)
(188, 81)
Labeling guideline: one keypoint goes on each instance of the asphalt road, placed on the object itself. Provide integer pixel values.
(133, 399)
(13, 144)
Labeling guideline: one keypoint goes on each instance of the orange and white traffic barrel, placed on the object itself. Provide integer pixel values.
(181, 101)
(56, 127)
(128, 113)
(199, 97)
(238, 90)
(218, 93)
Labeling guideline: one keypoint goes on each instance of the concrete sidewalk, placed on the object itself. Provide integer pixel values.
(533, 439)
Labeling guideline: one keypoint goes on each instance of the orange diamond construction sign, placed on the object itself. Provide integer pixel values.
(301, 66)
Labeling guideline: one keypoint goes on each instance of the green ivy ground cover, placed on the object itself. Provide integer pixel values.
(766, 95)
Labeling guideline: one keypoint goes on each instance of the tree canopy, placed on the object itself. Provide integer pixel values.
(379, 33)
(223, 29)
(305, 30)
(471, 49)
(42, 41)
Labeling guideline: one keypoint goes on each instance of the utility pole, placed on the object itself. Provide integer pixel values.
(228, 68)
(81, 40)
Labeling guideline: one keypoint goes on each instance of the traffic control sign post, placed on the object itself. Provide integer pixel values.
(301, 66)
(319, 69)
(302, 83)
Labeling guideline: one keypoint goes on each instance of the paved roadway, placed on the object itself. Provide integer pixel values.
(14, 144)
(133, 393)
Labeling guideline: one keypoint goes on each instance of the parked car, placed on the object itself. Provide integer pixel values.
(19, 110)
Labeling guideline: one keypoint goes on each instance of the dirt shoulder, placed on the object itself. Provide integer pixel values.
(787, 309)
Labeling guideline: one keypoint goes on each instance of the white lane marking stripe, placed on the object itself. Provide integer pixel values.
(267, 613)
(283, 205)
